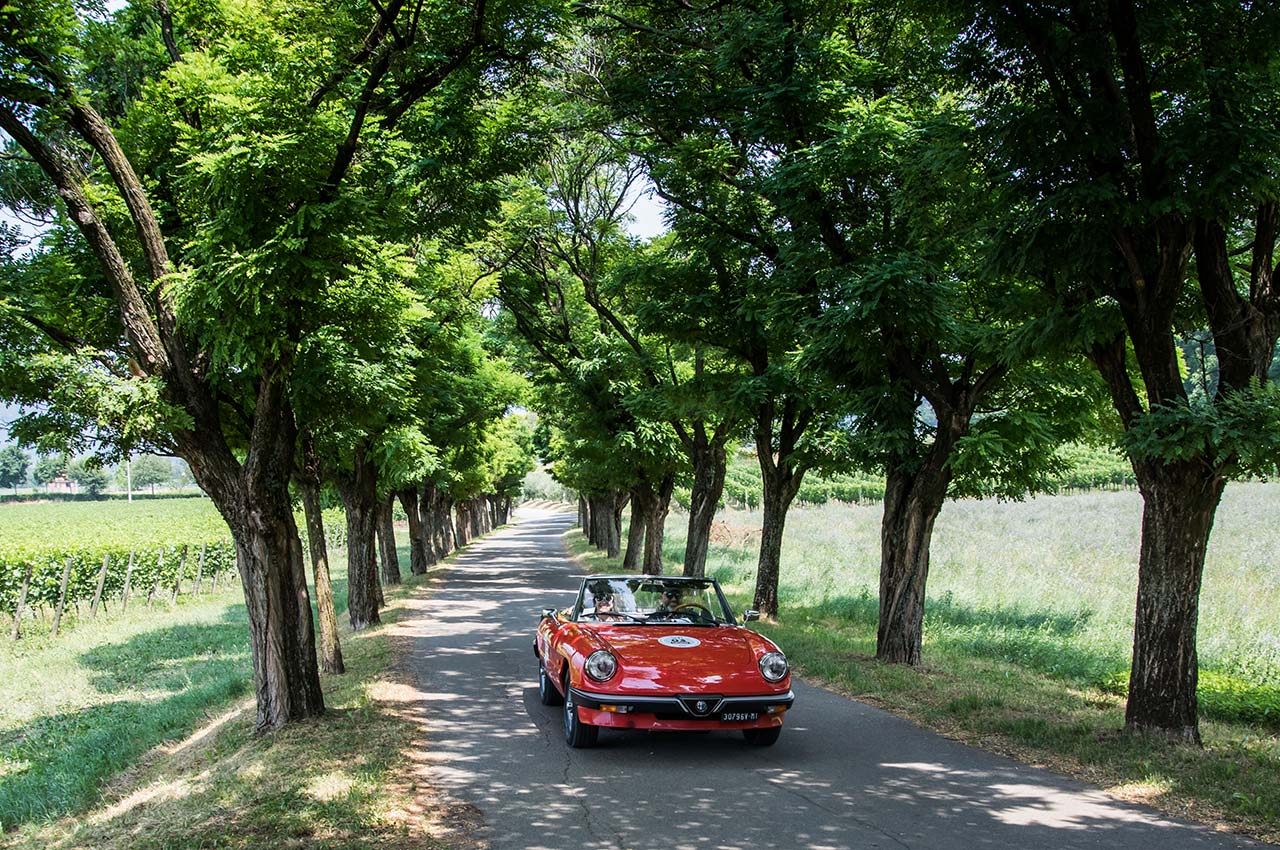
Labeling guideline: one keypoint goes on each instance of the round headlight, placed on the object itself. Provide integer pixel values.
(601, 665)
(773, 666)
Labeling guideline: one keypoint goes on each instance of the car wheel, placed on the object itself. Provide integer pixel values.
(766, 737)
(577, 734)
(546, 690)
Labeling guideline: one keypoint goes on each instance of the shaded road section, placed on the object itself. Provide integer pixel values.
(842, 776)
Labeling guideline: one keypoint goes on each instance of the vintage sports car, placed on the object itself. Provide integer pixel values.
(659, 652)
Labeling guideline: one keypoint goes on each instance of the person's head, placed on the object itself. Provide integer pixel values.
(604, 602)
(671, 596)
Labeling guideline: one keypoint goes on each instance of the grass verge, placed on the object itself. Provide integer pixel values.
(338, 782)
(1011, 702)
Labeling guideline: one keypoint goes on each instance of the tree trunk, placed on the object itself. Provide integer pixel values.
(597, 529)
(779, 490)
(657, 526)
(642, 502)
(912, 502)
(444, 525)
(1179, 503)
(387, 541)
(309, 487)
(417, 542)
(709, 468)
(504, 511)
(253, 498)
(613, 541)
(582, 513)
(360, 498)
(461, 526)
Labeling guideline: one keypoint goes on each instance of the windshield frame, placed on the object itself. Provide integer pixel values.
(643, 582)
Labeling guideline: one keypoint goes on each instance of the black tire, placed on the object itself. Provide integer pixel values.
(577, 734)
(766, 737)
(546, 688)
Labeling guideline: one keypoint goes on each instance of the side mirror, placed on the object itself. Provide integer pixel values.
(750, 616)
(548, 613)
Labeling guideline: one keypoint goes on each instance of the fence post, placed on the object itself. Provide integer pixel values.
(22, 603)
(128, 576)
(102, 580)
(62, 596)
(177, 582)
(200, 571)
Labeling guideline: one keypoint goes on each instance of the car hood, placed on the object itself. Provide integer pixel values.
(675, 659)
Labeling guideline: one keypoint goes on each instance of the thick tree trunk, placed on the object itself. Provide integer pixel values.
(642, 502)
(330, 647)
(446, 540)
(1179, 504)
(417, 542)
(504, 510)
(253, 498)
(913, 499)
(387, 541)
(461, 534)
(582, 513)
(657, 526)
(360, 498)
(427, 521)
(709, 468)
(601, 511)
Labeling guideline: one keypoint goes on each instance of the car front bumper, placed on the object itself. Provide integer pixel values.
(685, 712)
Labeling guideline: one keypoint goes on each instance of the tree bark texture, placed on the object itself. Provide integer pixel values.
(582, 513)
(358, 489)
(462, 527)
(912, 502)
(709, 469)
(417, 540)
(642, 503)
(387, 541)
(330, 647)
(656, 522)
(779, 490)
(1178, 510)
(254, 500)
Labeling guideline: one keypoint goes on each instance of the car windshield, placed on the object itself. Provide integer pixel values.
(649, 600)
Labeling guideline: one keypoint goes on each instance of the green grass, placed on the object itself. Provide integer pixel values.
(81, 707)
(195, 775)
(1028, 629)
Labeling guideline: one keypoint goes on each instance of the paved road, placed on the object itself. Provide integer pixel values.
(842, 776)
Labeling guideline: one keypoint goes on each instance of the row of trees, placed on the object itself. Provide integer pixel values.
(931, 243)
(916, 240)
(243, 260)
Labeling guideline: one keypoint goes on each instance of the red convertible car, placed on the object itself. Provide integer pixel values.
(659, 652)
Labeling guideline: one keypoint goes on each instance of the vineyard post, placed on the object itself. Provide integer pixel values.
(22, 602)
(62, 596)
(102, 580)
(177, 582)
(128, 575)
(200, 571)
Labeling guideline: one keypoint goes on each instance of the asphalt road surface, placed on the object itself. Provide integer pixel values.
(842, 776)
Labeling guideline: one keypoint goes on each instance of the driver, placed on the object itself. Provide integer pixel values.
(671, 599)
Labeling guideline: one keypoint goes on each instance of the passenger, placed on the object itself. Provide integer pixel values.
(604, 608)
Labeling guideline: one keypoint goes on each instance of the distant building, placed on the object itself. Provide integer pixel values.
(61, 484)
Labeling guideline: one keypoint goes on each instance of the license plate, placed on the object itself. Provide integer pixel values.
(731, 716)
